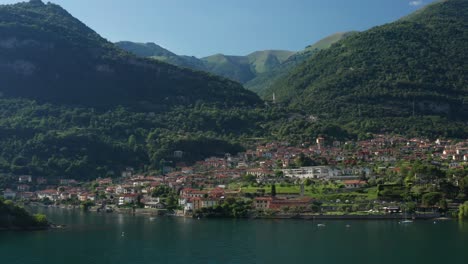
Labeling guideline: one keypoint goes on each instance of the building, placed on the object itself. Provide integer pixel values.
(352, 184)
(83, 197)
(313, 172)
(153, 203)
(68, 182)
(127, 199)
(23, 188)
(50, 194)
(199, 203)
(9, 194)
(25, 179)
(320, 142)
(41, 181)
(128, 172)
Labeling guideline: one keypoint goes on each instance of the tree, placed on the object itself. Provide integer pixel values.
(463, 211)
(273, 190)
(431, 199)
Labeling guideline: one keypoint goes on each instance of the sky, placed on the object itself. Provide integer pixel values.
(233, 27)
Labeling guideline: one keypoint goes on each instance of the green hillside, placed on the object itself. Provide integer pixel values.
(412, 67)
(48, 55)
(328, 41)
(74, 105)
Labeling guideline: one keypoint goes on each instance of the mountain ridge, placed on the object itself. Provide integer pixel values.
(256, 70)
(411, 67)
(39, 40)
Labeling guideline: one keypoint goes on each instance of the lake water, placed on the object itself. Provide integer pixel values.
(97, 238)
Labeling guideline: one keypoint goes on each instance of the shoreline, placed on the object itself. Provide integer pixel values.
(306, 217)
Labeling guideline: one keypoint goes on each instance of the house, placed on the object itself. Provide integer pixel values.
(260, 172)
(352, 184)
(23, 188)
(25, 195)
(41, 181)
(127, 199)
(262, 203)
(83, 197)
(125, 189)
(25, 179)
(313, 172)
(178, 154)
(192, 193)
(50, 194)
(9, 194)
(320, 142)
(128, 172)
(68, 182)
(106, 181)
(199, 203)
(392, 209)
(154, 203)
(188, 206)
(187, 170)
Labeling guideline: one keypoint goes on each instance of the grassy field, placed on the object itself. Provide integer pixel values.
(324, 192)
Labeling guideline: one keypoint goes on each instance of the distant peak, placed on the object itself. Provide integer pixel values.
(36, 2)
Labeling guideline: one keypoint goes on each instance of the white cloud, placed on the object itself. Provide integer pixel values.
(416, 3)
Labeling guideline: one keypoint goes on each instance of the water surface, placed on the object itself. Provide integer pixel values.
(111, 238)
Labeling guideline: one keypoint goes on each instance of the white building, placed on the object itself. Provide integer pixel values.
(313, 172)
(9, 194)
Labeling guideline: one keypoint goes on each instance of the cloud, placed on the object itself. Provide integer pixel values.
(416, 3)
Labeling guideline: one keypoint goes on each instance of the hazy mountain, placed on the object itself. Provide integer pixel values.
(257, 71)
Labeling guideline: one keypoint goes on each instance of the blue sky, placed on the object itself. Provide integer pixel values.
(234, 27)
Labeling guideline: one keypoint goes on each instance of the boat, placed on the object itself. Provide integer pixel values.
(407, 221)
(152, 218)
(321, 225)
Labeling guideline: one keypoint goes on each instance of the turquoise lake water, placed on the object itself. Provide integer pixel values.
(111, 238)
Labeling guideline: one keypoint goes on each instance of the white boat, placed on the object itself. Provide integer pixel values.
(321, 225)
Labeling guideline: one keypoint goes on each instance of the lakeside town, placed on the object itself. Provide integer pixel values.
(387, 176)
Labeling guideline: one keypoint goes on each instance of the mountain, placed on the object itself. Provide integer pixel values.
(267, 78)
(73, 105)
(145, 49)
(257, 71)
(414, 67)
(48, 55)
(154, 51)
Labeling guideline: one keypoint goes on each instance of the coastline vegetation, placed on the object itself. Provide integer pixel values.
(13, 217)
